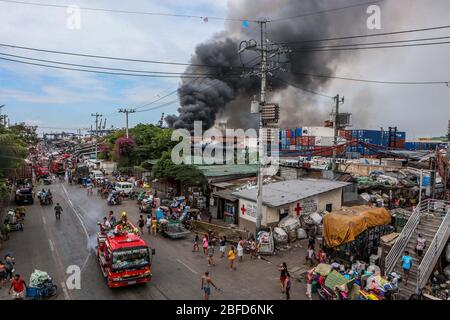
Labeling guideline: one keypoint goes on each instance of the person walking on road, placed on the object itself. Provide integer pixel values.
(232, 257)
(58, 210)
(222, 246)
(3, 274)
(154, 225)
(310, 255)
(196, 239)
(206, 285)
(9, 265)
(141, 223)
(210, 256)
(205, 244)
(309, 280)
(406, 265)
(283, 275)
(18, 287)
(148, 224)
(287, 286)
(253, 254)
(240, 249)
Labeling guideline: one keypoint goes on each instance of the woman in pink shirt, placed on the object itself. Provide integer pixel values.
(205, 244)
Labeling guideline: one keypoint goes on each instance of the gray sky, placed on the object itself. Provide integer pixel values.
(63, 98)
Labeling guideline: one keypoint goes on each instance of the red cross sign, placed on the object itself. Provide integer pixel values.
(243, 210)
(298, 209)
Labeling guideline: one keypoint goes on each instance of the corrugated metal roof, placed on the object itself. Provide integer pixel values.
(285, 192)
(228, 169)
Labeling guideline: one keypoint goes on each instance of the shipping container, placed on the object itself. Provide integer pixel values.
(317, 131)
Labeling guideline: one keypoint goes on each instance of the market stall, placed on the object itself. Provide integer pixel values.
(354, 233)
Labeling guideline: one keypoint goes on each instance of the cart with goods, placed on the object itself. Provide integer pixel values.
(41, 286)
(172, 229)
(265, 243)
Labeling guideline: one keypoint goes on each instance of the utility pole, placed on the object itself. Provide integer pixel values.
(127, 112)
(336, 128)
(96, 115)
(264, 48)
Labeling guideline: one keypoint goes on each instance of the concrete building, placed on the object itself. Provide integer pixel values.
(292, 197)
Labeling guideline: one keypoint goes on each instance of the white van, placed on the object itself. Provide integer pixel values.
(97, 174)
(125, 187)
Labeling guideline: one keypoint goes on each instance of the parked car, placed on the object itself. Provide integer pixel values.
(24, 195)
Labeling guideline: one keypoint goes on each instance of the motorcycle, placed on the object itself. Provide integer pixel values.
(114, 199)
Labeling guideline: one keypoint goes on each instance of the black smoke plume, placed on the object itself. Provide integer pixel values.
(225, 94)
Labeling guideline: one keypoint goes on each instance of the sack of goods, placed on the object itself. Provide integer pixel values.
(280, 236)
(301, 234)
(289, 223)
(38, 277)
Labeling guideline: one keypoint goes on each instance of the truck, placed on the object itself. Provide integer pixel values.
(124, 257)
(24, 172)
(58, 167)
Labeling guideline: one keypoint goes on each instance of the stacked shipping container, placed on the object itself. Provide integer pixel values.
(375, 137)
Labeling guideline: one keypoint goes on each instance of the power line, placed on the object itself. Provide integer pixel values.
(374, 47)
(158, 99)
(114, 58)
(375, 43)
(325, 11)
(303, 89)
(160, 106)
(163, 14)
(372, 81)
(103, 72)
(103, 68)
(368, 35)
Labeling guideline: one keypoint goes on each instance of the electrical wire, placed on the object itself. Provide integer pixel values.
(375, 47)
(372, 81)
(114, 58)
(324, 11)
(368, 35)
(303, 89)
(103, 72)
(132, 12)
(376, 43)
(103, 68)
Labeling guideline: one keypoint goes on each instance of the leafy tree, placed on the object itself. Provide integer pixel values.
(12, 152)
(184, 175)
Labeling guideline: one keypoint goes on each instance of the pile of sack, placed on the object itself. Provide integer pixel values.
(38, 277)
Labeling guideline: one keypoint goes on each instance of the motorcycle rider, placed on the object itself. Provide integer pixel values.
(58, 210)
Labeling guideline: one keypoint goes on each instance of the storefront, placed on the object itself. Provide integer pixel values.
(224, 206)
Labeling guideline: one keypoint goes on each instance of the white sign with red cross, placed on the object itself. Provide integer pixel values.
(247, 210)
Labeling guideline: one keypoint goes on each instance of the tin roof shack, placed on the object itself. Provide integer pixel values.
(292, 197)
(354, 233)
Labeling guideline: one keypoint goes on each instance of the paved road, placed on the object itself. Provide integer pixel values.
(53, 246)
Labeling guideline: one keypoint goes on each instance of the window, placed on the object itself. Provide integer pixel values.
(284, 212)
(329, 207)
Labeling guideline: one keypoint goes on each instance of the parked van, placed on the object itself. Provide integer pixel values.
(125, 187)
(97, 174)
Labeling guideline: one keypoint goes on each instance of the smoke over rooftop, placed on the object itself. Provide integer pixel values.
(226, 95)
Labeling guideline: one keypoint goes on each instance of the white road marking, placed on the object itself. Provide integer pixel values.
(44, 221)
(66, 293)
(78, 215)
(52, 247)
(193, 271)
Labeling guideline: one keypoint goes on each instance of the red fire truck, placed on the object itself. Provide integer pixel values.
(125, 258)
